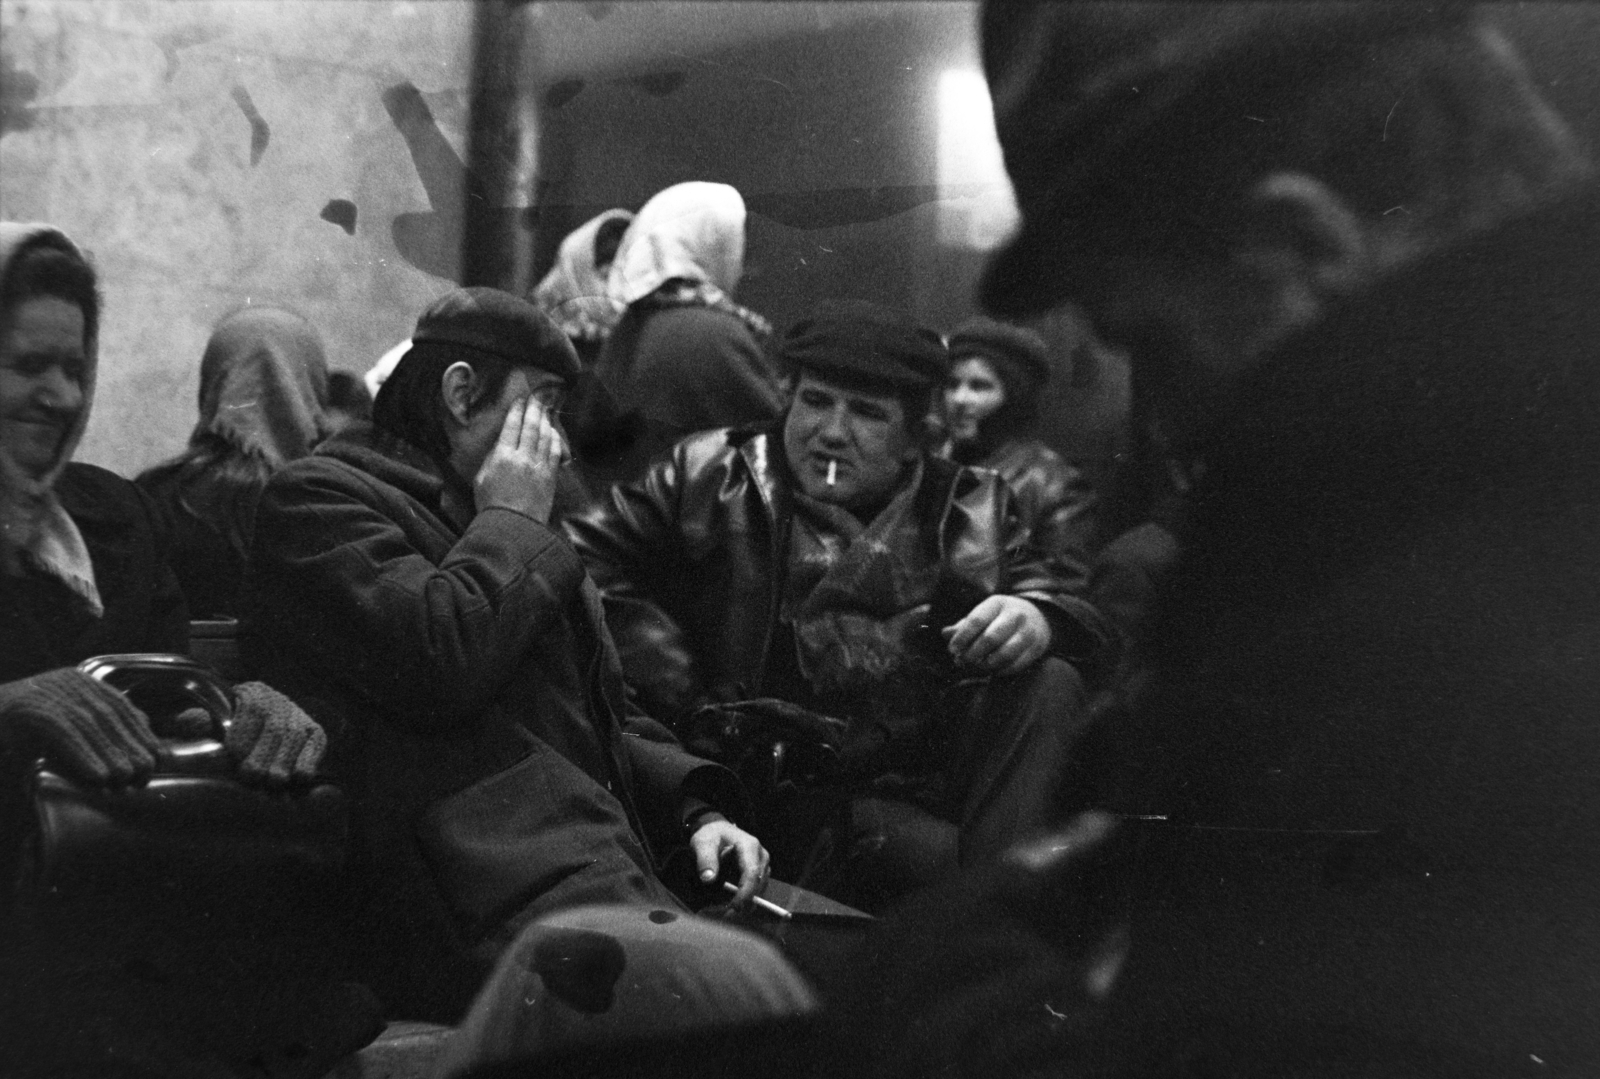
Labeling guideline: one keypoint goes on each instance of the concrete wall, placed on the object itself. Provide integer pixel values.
(194, 148)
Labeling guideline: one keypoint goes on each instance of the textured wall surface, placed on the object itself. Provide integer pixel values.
(195, 148)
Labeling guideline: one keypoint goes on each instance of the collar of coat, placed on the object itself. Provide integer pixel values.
(391, 460)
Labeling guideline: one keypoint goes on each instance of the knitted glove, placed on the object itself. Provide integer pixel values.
(273, 740)
(86, 728)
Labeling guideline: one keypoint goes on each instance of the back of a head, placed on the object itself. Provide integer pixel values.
(1156, 119)
(493, 332)
(264, 385)
(691, 231)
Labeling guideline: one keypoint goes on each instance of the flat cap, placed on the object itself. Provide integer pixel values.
(866, 343)
(1005, 343)
(1075, 85)
(503, 325)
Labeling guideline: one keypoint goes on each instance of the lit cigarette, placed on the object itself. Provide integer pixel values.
(833, 472)
(765, 904)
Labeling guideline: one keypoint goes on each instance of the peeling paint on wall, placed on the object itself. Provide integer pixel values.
(212, 154)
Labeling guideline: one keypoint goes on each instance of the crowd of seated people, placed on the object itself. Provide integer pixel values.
(409, 580)
(823, 609)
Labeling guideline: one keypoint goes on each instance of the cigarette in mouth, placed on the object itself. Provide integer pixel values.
(833, 472)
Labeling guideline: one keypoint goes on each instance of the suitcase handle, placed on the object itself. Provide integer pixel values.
(131, 673)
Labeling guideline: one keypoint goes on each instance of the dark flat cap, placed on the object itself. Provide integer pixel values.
(1007, 344)
(503, 325)
(866, 343)
(1075, 85)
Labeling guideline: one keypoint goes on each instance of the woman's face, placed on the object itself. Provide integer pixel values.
(43, 364)
(972, 393)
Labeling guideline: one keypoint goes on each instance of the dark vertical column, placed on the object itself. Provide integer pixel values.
(502, 151)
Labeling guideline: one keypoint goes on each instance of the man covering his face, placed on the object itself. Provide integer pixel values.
(408, 578)
(842, 586)
(1354, 255)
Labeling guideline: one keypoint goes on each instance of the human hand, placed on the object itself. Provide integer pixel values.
(1002, 635)
(719, 837)
(273, 740)
(521, 470)
(87, 728)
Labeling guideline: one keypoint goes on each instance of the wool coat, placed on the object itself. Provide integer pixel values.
(475, 710)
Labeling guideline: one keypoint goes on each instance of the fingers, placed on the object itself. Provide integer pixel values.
(718, 839)
(707, 846)
(512, 432)
(310, 756)
(753, 865)
(120, 737)
(1003, 634)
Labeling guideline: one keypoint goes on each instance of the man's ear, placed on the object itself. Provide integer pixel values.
(456, 386)
(1304, 229)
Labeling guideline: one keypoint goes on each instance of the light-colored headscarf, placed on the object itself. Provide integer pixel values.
(264, 384)
(379, 372)
(34, 529)
(574, 292)
(692, 231)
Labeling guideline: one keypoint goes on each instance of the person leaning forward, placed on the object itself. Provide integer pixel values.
(851, 589)
(1354, 254)
(406, 577)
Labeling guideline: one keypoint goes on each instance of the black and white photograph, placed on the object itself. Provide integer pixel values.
(799, 539)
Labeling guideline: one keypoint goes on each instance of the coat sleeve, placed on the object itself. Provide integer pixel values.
(633, 546)
(336, 578)
(1058, 581)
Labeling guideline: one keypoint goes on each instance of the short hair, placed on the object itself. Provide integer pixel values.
(46, 269)
(409, 405)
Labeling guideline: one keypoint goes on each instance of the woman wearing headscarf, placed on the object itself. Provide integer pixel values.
(263, 390)
(990, 403)
(574, 292)
(83, 573)
(683, 357)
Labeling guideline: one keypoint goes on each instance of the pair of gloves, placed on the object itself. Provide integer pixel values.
(94, 733)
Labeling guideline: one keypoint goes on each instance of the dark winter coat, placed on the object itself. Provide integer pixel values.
(42, 627)
(474, 707)
(1387, 617)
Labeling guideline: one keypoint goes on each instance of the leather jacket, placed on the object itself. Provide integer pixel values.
(691, 560)
(1058, 506)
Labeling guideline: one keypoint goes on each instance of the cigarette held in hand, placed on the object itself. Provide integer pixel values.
(833, 472)
(765, 904)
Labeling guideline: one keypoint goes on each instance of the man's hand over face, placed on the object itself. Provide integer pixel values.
(1001, 635)
(520, 472)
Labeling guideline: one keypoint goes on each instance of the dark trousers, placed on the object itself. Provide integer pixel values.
(1007, 772)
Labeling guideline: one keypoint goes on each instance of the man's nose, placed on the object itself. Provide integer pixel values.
(833, 428)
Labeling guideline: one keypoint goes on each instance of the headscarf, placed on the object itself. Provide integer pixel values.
(34, 528)
(263, 385)
(379, 372)
(574, 293)
(692, 232)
